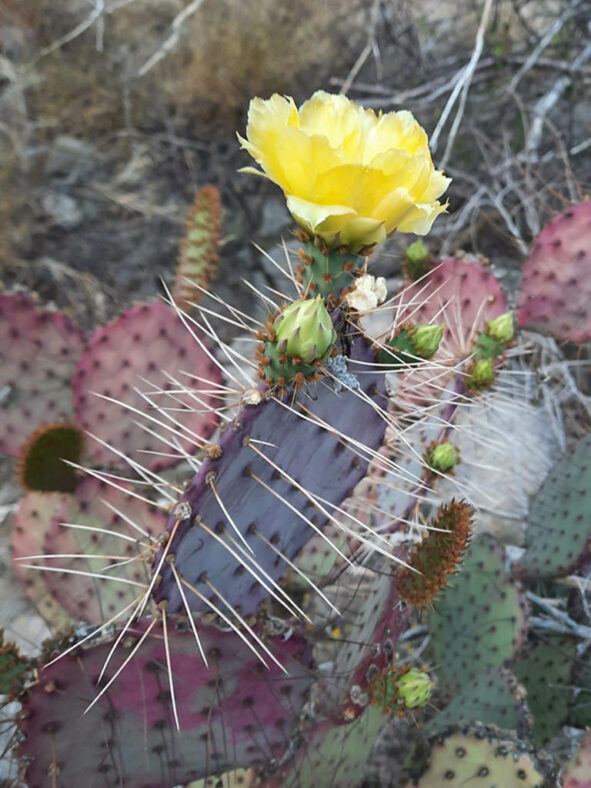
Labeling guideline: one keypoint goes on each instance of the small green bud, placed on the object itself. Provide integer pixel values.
(443, 457)
(482, 374)
(304, 329)
(501, 328)
(417, 261)
(426, 338)
(414, 688)
(418, 252)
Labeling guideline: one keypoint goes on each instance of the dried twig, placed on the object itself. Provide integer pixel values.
(171, 41)
(462, 86)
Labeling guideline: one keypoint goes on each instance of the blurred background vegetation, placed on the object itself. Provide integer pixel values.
(112, 112)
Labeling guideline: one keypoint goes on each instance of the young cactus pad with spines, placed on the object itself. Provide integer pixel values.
(38, 353)
(199, 247)
(555, 291)
(437, 556)
(233, 713)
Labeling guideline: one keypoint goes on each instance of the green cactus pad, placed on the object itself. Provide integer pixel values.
(580, 712)
(480, 621)
(545, 673)
(559, 522)
(493, 698)
(43, 462)
(335, 754)
(13, 669)
(480, 762)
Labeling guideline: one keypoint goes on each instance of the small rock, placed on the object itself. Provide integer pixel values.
(62, 209)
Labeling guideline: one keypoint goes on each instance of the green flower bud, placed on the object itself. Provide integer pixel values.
(501, 328)
(482, 374)
(426, 338)
(304, 329)
(417, 261)
(414, 688)
(443, 457)
(418, 252)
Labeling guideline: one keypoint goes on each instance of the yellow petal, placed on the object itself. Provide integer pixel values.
(268, 117)
(310, 215)
(344, 124)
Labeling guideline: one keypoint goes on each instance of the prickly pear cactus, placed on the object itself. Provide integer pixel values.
(333, 753)
(233, 713)
(480, 621)
(137, 354)
(494, 697)
(267, 498)
(39, 350)
(115, 535)
(485, 760)
(577, 773)
(199, 247)
(558, 528)
(460, 292)
(555, 292)
(438, 556)
(13, 669)
(545, 671)
(43, 461)
(31, 522)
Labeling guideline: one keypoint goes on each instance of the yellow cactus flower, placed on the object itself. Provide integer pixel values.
(350, 176)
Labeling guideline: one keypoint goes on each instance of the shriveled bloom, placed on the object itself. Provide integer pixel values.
(367, 293)
(349, 175)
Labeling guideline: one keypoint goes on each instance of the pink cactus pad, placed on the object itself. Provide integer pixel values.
(38, 353)
(92, 599)
(234, 713)
(578, 770)
(32, 521)
(555, 293)
(460, 292)
(145, 342)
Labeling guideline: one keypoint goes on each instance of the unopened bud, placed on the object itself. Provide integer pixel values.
(426, 338)
(482, 374)
(414, 688)
(501, 328)
(304, 329)
(443, 457)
